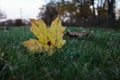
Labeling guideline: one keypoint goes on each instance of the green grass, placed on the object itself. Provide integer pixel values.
(96, 57)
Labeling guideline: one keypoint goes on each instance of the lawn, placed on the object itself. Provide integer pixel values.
(95, 57)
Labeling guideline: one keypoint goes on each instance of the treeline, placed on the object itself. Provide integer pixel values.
(81, 12)
(15, 22)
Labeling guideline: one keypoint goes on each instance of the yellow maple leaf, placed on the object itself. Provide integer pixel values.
(49, 39)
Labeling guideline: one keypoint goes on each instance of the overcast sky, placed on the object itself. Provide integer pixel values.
(25, 8)
(17, 8)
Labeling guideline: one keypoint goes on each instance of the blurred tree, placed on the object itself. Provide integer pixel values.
(48, 13)
(66, 7)
(102, 15)
(106, 10)
(92, 2)
(86, 11)
(18, 22)
(111, 11)
(81, 11)
(68, 11)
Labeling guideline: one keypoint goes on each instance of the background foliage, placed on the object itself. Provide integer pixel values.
(82, 12)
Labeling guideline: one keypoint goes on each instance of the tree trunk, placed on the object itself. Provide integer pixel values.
(111, 11)
(94, 16)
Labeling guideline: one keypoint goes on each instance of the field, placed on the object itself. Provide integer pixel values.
(95, 57)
